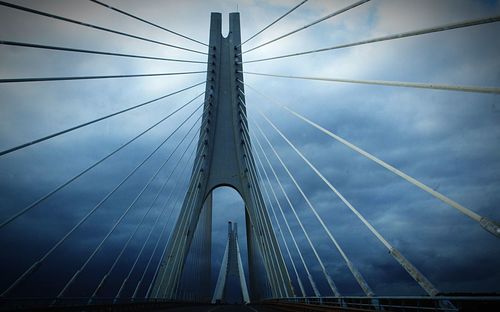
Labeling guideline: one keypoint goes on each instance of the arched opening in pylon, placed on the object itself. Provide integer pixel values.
(196, 284)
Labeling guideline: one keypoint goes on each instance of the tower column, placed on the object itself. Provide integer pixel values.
(223, 158)
(231, 266)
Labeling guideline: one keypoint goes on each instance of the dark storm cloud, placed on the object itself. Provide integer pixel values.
(448, 140)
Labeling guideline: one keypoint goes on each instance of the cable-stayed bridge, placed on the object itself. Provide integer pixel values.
(140, 234)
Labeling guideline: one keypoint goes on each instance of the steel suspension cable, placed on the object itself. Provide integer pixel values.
(10, 150)
(163, 210)
(81, 173)
(18, 7)
(265, 244)
(191, 264)
(391, 83)
(265, 252)
(181, 267)
(177, 272)
(489, 225)
(258, 223)
(424, 31)
(66, 49)
(251, 165)
(177, 187)
(131, 205)
(357, 275)
(245, 132)
(309, 275)
(40, 79)
(182, 221)
(407, 265)
(162, 277)
(270, 269)
(299, 281)
(177, 264)
(288, 172)
(292, 261)
(145, 242)
(148, 22)
(201, 266)
(274, 22)
(318, 258)
(195, 176)
(349, 7)
(39, 262)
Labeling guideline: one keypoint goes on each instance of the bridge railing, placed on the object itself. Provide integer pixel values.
(410, 304)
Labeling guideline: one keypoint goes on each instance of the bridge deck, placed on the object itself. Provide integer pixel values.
(267, 307)
(253, 308)
(183, 307)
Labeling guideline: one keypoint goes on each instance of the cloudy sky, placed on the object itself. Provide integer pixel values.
(448, 140)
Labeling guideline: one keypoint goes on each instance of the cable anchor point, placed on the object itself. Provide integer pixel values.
(490, 226)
